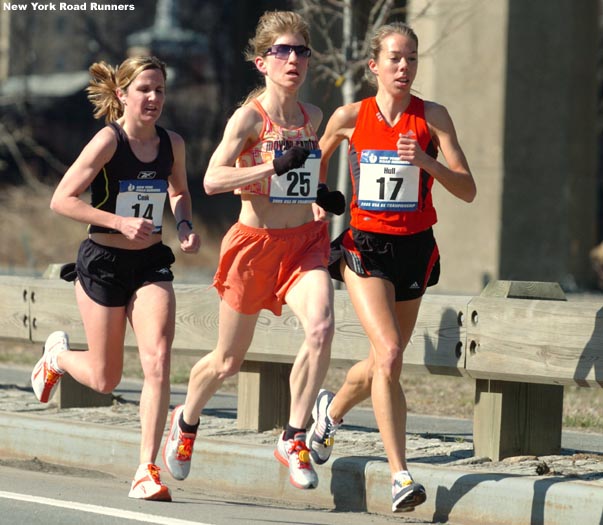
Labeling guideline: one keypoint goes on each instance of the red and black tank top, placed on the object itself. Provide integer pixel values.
(390, 196)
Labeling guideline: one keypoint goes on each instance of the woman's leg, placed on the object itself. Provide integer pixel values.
(388, 326)
(152, 316)
(235, 333)
(100, 367)
(311, 300)
(355, 389)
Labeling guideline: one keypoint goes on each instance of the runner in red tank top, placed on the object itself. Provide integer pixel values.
(388, 256)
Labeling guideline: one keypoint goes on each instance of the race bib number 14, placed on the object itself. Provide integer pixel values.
(297, 186)
(138, 198)
(387, 183)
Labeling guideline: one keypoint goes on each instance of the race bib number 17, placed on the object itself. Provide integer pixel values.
(297, 186)
(387, 183)
(138, 198)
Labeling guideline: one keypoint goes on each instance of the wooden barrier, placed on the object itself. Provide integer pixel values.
(527, 416)
(520, 350)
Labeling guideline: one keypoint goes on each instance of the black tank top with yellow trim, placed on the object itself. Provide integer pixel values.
(129, 187)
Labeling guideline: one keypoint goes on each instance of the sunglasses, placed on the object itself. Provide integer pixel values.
(282, 51)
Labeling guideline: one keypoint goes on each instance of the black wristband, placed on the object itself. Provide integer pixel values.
(184, 221)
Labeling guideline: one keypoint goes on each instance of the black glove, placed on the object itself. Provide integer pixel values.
(331, 201)
(292, 158)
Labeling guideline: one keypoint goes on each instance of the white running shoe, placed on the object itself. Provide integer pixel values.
(406, 494)
(294, 454)
(178, 447)
(147, 484)
(46, 374)
(322, 432)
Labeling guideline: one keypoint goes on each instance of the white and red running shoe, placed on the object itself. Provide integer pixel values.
(294, 454)
(46, 374)
(147, 484)
(178, 447)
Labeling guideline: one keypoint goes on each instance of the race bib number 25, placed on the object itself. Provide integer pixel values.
(142, 198)
(297, 186)
(387, 183)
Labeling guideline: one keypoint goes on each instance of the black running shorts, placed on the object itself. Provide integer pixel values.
(110, 276)
(410, 262)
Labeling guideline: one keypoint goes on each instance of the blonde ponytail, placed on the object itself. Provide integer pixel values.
(102, 92)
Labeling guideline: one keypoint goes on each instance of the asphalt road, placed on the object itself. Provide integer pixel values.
(67, 496)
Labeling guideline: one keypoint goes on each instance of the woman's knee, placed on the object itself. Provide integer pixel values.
(388, 361)
(156, 365)
(227, 367)
(105, 383)
(319, 334)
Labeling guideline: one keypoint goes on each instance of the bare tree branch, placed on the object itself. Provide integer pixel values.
(377, 16)
(338, 60)
(43, 153)
(7, 138)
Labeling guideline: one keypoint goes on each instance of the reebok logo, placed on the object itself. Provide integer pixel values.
(147, 174)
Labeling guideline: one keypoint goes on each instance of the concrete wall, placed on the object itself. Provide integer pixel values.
(518, 79)
(549, 199)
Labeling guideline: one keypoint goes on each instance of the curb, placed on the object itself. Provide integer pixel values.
(350, 483)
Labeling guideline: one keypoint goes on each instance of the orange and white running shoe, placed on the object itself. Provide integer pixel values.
(46, 374)
(147, 484)
(294, 454)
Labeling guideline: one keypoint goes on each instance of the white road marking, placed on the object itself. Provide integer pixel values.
(97, 509)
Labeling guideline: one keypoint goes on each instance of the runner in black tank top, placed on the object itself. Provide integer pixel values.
(123, 269)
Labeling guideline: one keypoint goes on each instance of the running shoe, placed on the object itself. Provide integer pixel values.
(295, 455)
(406, 494)
(322, 432)
(178, 447)
(147, 484)
(46, 374)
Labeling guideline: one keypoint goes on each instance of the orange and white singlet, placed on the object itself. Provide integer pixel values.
(295, 187)
(389, 195)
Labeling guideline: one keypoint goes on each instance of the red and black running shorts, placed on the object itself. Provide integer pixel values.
(410, 262)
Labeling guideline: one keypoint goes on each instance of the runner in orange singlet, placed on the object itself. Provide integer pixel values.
(278, 251)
